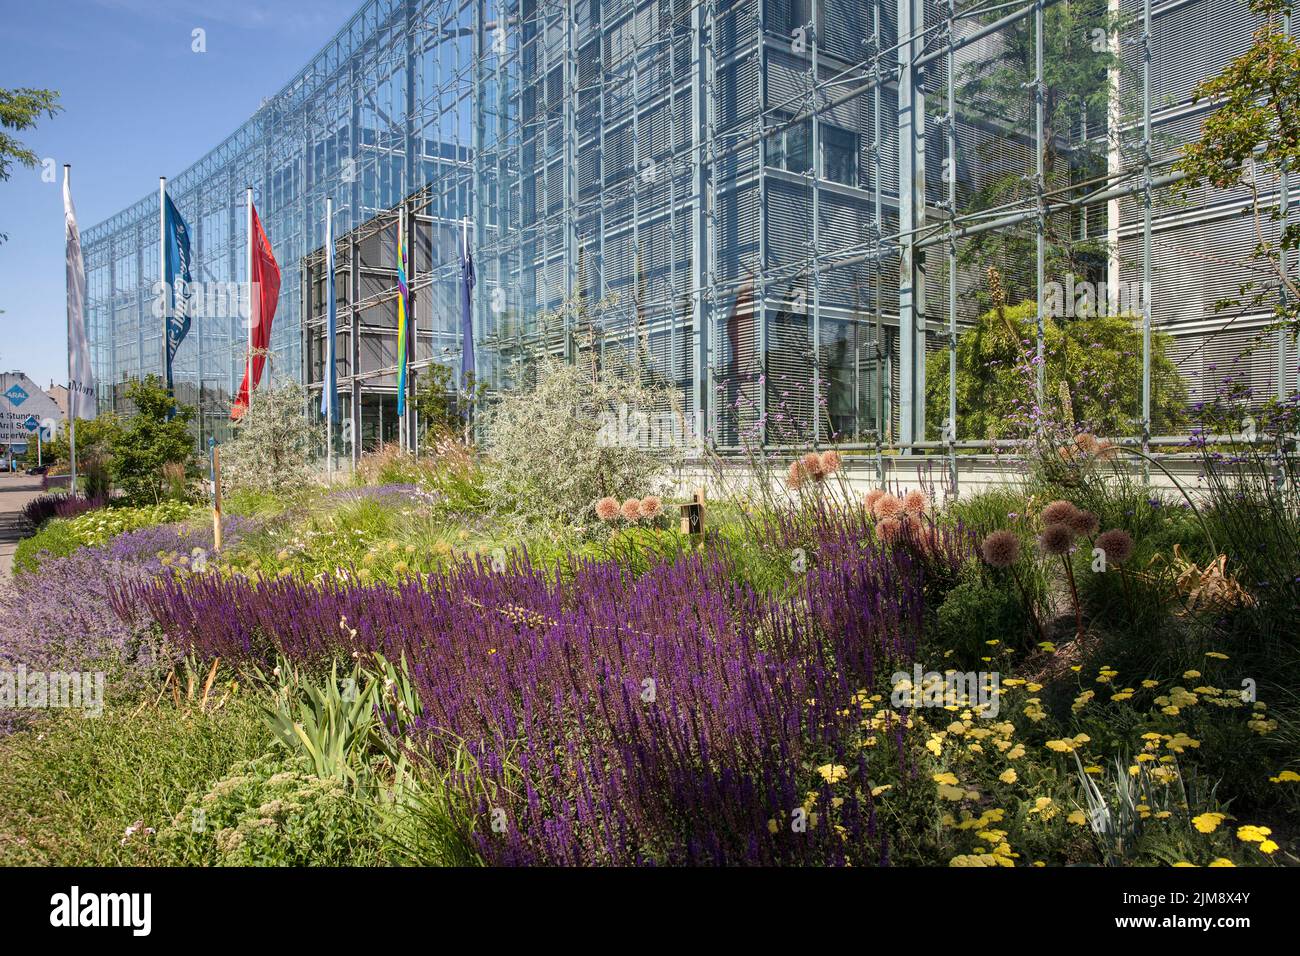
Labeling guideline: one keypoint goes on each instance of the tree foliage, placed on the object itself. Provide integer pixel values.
(995, 90)
(95, 438)
(1254, 133)
(20, 109)
(1092, 377)
(155, 436)
(274, 444)
(580, 434)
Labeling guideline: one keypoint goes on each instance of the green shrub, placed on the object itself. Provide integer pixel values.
(55, 540)
(978, 611)
(157, 434)
(269, 812)
(98, 526)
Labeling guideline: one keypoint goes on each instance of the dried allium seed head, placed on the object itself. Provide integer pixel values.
(651, 506)
(1058, 512)
(1083, 523)
(870, 498)
(812, 466)
(830, 462)
(1116, 544)
(1056, 539)
(915, 502)
(888, 529)
(607, 509)
(1001, 549)
(888, 506)
(1086, 443)
(794, 477)
(631, 509)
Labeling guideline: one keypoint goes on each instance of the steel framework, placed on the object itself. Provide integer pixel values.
(782, 207)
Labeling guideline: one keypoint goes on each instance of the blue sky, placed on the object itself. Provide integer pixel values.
(138, 104)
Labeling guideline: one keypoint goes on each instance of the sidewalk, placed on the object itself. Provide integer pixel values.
(15, 492)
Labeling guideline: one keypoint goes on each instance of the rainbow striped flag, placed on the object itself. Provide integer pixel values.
(403, 301)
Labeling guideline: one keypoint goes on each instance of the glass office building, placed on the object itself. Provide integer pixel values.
(779, 206)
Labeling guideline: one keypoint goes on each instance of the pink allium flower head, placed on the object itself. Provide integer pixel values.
(812, 466)
(607, 509)
(1001, 549)
(1106, 450)
(1116, 544)
(1083, 523)
(888, 506)
(888, 529)
(794, 477)
(915, 502)
(870, 498)
(651, 506)
(830, 462)
(632, 509)
(1058, 512)
(1056, 539)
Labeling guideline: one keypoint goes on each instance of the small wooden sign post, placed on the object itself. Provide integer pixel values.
(214, 473)
(693, 515)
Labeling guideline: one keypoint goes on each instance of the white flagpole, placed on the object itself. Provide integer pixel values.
(467, 386)
(72, 401)
(162, 268)
(329, 340)
(403, 436)
(248, 211)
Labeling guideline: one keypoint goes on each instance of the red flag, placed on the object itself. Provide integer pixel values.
(266, 293)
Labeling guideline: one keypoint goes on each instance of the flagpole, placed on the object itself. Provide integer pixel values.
(248, 216)
(468, 386)
(329, 340)
(72, 402)
(403, 370)
(162, 273)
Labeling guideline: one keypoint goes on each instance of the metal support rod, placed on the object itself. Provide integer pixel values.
(1146, 231)
(911, 218)
(1040, 186)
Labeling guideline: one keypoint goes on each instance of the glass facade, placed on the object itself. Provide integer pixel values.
(779, 206)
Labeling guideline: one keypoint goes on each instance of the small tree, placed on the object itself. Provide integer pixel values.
(440, 405)
(1092, 377)
(580, 434)
(156, 435)
(95, 438)
(274, 442)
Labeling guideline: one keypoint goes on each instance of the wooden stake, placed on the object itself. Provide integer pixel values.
(216, 494)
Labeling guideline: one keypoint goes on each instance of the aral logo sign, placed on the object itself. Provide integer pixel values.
(16, 394)
(32, 423)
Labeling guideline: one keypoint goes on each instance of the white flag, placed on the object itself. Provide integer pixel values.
(81, 377)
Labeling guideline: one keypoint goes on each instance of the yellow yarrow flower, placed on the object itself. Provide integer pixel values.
(833, 772)
(1208, 822)
(1252, 834)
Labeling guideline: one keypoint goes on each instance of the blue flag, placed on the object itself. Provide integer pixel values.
(176, 245)
(466, 314)
(329, 397)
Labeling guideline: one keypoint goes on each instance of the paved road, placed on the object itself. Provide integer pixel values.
(15, 492)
